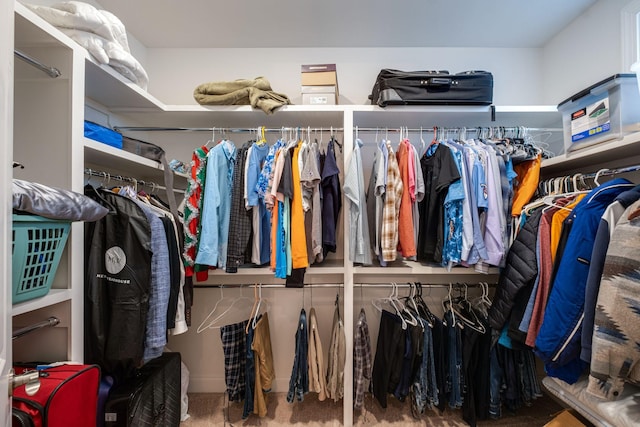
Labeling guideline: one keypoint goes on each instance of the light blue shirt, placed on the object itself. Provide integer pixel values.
(156, 333)
(216, 209)
(359, 246)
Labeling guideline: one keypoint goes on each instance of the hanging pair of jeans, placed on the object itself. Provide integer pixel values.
(250, 375)
(455, 380)
(299, 382)
(425, 387)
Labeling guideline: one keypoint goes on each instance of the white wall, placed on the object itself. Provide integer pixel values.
(587, 51)
(174, 73)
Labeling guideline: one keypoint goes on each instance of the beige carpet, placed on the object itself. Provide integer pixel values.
(208, 410)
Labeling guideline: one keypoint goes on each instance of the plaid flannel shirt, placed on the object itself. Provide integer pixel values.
(391, 209)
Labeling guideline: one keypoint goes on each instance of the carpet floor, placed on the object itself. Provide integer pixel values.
(208, 409)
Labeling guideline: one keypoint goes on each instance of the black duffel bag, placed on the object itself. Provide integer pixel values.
(394, 87)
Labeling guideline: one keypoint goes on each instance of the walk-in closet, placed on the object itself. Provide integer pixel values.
(375, 287)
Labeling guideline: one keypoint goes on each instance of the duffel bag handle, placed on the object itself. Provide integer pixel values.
(436, 81)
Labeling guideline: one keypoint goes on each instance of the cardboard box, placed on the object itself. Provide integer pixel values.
(564, 419)
(319, 75)
(319, 95)
(323, 76)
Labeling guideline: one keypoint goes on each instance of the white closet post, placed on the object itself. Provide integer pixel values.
(6, 153)
(76, 238)
(348, 280)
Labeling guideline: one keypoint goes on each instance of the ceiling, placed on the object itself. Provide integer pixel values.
(345, 23)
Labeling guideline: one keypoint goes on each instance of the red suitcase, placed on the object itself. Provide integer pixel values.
(68, 397)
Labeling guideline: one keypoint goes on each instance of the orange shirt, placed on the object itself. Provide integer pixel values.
(406, 235)
(299, 256)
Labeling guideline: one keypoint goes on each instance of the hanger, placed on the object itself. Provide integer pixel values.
(392, 302)
(404, 312)
(447, 305)
(466, 314)
(261, 139)
(211, 324)
(255, 307)
(213, 137)
(422, 306)
(412, 304)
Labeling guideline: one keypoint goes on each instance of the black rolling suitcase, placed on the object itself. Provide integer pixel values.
(151, 398)
(394, 87)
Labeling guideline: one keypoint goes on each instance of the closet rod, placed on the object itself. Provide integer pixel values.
(608, 172)
(331, 285)
(51, 71)
(267, 286)
(51, 321)
(108, 176)
(222, 129)
(325, 129)
(457, 129)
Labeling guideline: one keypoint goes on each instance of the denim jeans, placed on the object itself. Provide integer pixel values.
(250, 375)
(425, 387)
(299, 382)
(455, 380)
(495, 384)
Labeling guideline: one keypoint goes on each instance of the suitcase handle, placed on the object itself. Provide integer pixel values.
(436, 81)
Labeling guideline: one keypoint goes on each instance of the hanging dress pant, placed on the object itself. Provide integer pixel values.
(235, 359)
(390, 348)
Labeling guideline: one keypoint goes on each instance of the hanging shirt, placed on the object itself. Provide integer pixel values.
(476, 201)
(439, 170)
(298, 235)
(337, 355)
(240, 219)
(261, 223)
(310, 180)
(391, 209)
(317, 379)
(375, 193)
(217, 205)
(359, 244)
(362, 364)
(419, 193)
(156, 332)
(276, 209)
(494, 229)
(453, 216)
(331, 200)
(192, 208)
(406, 242)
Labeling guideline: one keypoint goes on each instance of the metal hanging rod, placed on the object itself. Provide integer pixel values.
(457, 129)
(609, 172)
(222, 129)
(50, 71)
(127, 179)
(265, 286)
(51, 321)
(330, 129)
(333, 285)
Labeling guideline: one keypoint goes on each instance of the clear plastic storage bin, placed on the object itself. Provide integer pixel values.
(608, 110)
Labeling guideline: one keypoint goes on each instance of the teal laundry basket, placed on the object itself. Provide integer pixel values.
(37, 246)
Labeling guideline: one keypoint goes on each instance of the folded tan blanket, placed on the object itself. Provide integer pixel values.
(256, 92)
